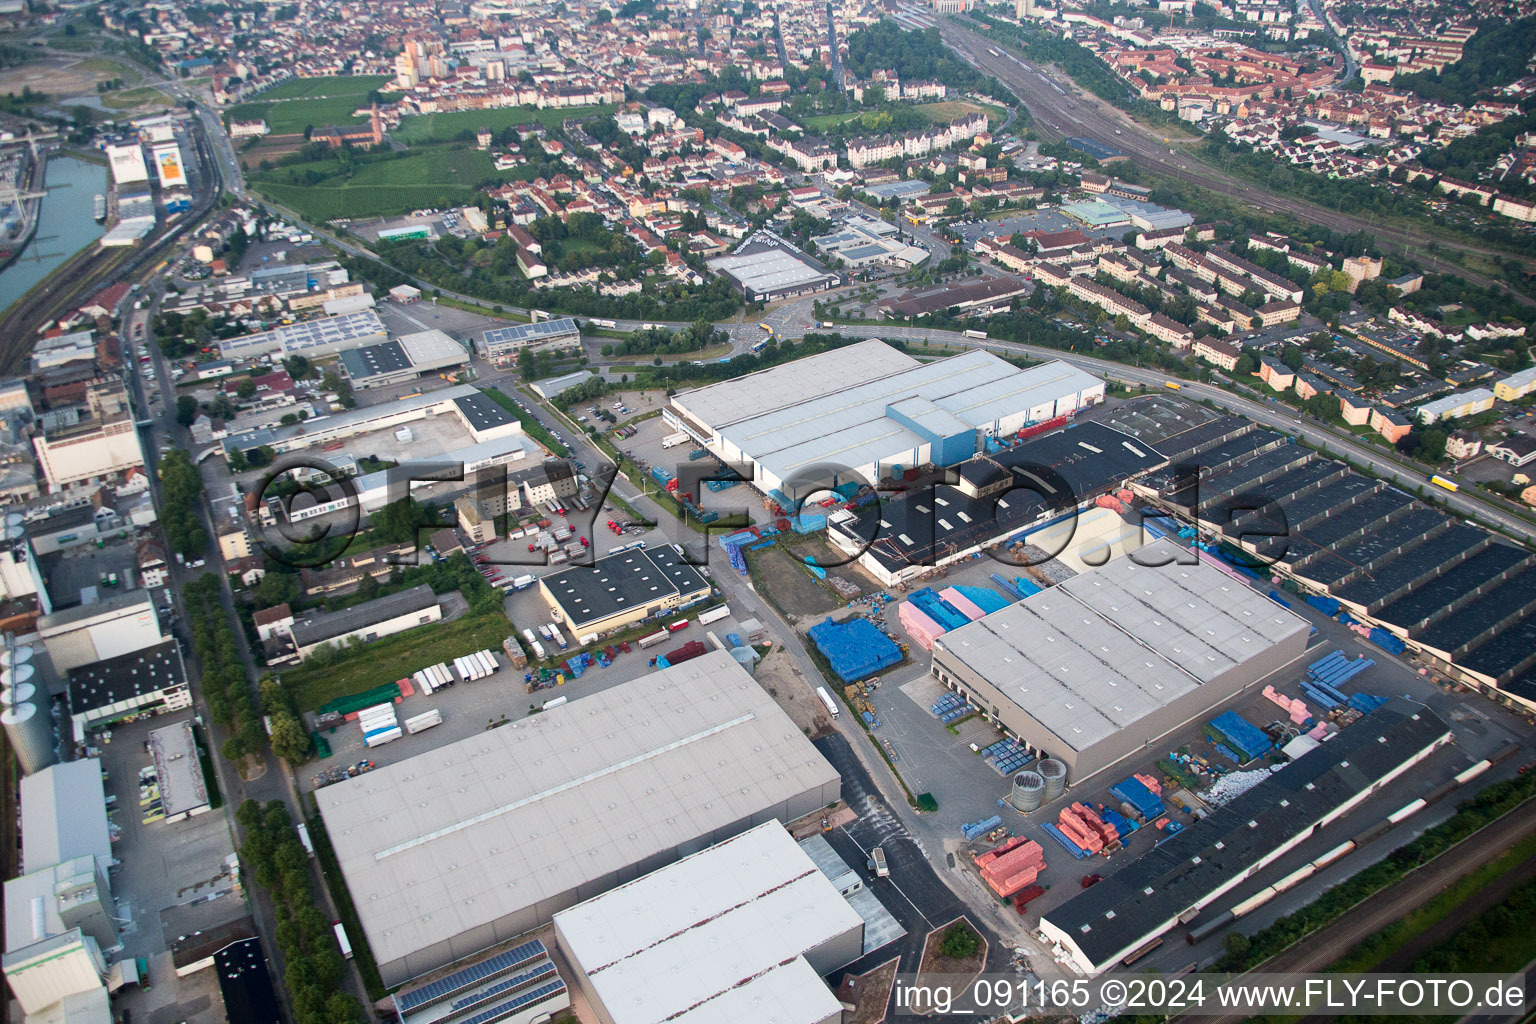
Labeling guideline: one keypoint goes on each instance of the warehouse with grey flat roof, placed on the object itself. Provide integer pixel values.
(1098, 668)
(403, 359)
(453, 851)
(309, 338)
(767, 269)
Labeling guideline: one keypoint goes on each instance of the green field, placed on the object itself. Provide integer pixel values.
(130, 98)
(821, 122)
(306, 88)
(430, 178)
(442, 127)
(948, 110)
(395, 657)
(301, 103)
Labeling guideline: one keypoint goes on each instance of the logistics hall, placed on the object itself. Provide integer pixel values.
(869, 411)
(1099, 668)
(453, 851)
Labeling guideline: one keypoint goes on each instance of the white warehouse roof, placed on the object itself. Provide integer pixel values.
(718, 936)
(471, 834)
(1103, 651)
(847, 423)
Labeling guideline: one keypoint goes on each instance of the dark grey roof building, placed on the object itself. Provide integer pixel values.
(1194, 868)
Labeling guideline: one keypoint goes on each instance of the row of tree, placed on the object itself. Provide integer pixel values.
(313, 968)
(181, 510)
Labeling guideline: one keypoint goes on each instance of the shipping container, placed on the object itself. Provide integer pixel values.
(379, 739)
(555, 702)
(309, 847)
(528, 635)
(425, 720)
(488, 658)
(538, 650)
(653, 639)
(557, 636)
(715, 615)
(678, 626)
(522, 583)
(423, 682)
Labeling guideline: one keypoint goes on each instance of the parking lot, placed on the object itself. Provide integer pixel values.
(174, 880)
(472, 706)
(426, 315)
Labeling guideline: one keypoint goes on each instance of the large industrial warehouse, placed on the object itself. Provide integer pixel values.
(1191, 870)
(1461, 598)
(995, 496)
(869, 411)
(742, 931)
(1098, 668)
(455, 850)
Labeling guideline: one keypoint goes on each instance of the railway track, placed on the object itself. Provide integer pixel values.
(1062, 113)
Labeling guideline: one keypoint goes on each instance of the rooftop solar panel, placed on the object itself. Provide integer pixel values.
(506, 1010)
(458, 981)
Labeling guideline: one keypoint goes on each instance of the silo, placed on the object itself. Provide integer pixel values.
(1028, 788)
(1054, 773)
(24, 714)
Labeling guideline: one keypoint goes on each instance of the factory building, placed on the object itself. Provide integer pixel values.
(148, 681)
(1457, 596)
(381, 617)
(748, 924)
(1188, 872)
(1099, 668)
(867, 412)
(768, 269)
(482, 418)
(1014, 492)
(451, 852)
(622, 589)
(59, 912)
(406, 358)
(502, 344)
(309, 338)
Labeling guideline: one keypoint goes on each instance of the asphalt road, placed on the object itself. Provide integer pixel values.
(1061, 109)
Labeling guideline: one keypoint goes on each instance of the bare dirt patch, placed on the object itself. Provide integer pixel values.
(870, 993)
(781, 677)
(270, 148)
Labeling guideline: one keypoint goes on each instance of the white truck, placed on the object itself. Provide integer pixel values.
(673, 440)
(877, 864)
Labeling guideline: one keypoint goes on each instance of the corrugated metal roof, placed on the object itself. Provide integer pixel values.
(472, 832)
(676, 943)
(1098, 653)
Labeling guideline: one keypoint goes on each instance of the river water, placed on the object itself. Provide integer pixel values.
(65, 226)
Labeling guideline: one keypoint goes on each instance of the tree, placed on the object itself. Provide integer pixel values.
(246, 389)
(277, 588)
(960, 942)
(1293, 357)
(367, 587)
(289, 740)
(186, 410)
(298, 367)
(1245, 364)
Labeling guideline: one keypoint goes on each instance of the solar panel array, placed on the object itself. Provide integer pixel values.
(502, 988)
(462, 980)
(523, 1001)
